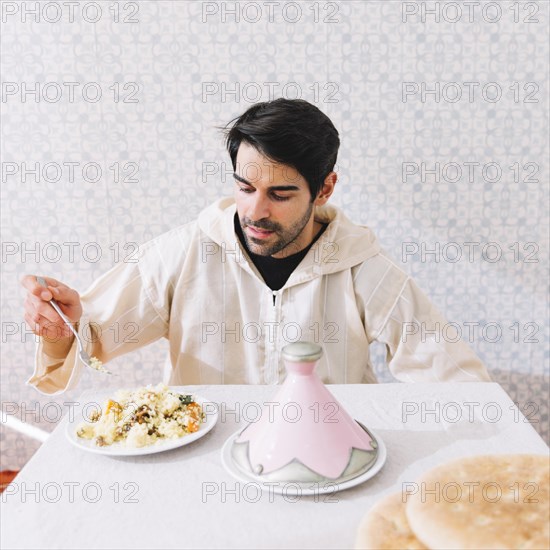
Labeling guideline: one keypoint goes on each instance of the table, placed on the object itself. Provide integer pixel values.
(183, 498)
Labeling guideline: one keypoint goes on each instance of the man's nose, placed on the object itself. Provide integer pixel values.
(259, 207)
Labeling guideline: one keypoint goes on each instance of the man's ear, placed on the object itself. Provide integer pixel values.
(327, 189)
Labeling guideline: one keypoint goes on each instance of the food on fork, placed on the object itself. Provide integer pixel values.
(96, 364)
(137, 418)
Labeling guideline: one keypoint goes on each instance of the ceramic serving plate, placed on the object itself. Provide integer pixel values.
(296, 489)
(119, 449)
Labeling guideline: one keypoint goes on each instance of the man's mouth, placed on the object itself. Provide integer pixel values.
(258, 233)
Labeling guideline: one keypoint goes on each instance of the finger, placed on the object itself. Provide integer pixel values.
(57, 327)
(44, 309)
(36, 306)
(31, 323)
(56, 285)
(65, 295)
(72, 310)
(34, 287)
(41, 326)
(31, 283)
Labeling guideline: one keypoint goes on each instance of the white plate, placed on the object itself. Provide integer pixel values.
(292, 489)
(118, 449)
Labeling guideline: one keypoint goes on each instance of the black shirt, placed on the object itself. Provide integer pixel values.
(275, 271)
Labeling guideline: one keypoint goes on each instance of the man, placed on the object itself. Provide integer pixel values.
(274, 265)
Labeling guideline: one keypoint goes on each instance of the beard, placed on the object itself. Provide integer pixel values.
(281, 238)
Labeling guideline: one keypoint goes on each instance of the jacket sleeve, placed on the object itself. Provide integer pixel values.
(122, 311)
(422, 346)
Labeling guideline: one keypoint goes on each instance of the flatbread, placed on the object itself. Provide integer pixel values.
(385, 527)
(470, 516)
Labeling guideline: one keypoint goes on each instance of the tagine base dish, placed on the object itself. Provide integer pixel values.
(295, 488)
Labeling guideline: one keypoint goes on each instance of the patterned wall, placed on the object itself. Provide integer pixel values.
(108, 139)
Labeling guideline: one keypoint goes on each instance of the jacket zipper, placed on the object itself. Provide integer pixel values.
(272, 346)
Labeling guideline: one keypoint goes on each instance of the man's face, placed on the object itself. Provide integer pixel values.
(273, 204)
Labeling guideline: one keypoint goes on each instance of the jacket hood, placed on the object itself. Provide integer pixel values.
(343, 245)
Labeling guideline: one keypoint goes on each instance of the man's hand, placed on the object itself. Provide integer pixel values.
(41, 317)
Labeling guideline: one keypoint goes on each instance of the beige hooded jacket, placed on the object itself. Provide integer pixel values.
(195, 286)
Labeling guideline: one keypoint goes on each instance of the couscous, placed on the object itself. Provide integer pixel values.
(143, 417)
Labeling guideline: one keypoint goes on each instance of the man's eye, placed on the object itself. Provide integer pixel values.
(279, 198)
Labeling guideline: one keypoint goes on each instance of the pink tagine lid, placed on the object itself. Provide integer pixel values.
(304, 434)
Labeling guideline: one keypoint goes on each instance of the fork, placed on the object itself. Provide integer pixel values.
(83, 355)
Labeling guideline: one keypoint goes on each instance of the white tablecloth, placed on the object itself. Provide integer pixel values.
(68, 498)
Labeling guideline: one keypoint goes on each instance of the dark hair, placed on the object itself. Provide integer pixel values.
(291, 132)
